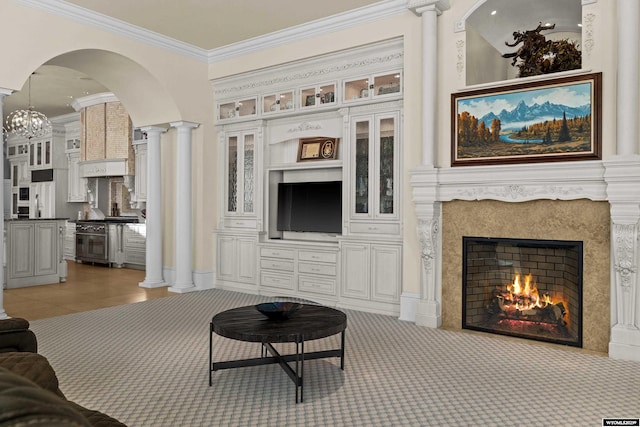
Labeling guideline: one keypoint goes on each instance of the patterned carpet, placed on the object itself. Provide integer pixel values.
(147, 365)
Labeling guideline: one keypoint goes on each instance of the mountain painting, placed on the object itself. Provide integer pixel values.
(552, 120)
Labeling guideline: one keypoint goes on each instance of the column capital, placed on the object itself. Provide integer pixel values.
(5, 92)
(420, 6)
(184, 124)
(154, 129)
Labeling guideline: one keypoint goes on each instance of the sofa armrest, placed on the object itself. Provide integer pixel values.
(13, 324)
(24, 403)
(15, 335)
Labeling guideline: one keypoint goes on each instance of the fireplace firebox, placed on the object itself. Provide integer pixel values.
(524, 288)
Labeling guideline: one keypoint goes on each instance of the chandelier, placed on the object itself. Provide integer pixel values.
(28, 123)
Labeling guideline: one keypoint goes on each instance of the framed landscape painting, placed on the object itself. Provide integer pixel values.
(550, 120)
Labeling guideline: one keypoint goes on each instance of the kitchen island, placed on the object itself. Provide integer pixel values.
(34, 252)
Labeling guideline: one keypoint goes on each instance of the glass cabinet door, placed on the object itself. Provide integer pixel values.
(361, 169)
(386, 169)
(375, 166)
(249, 175)
(232, 174)
(240, 195)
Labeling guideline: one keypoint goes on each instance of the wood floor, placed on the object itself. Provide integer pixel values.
(87, 288)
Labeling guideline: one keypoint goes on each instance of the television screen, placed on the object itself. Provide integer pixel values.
(310, 206)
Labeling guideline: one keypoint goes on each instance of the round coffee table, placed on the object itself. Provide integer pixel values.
(310, 322)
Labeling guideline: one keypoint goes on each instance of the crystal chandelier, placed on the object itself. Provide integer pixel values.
(28, 123)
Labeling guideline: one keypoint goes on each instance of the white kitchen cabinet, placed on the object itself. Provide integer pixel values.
(34, 253)
(69, 247)
(371, 271)
(43, 199)
(274, 103)
(140, 181)
(77, 186)
(20, 175)
(236, 266)
(134, 243)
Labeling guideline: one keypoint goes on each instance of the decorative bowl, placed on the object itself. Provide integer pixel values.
(279, 310)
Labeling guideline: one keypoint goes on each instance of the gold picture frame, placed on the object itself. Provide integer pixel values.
(319, 148)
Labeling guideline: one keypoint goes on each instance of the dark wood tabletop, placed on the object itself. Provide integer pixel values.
(310, 322)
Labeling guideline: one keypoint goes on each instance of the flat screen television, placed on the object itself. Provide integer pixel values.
(310, 206)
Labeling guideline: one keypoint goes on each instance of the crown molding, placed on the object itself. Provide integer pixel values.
(95, 99)
(116, 26)
(308, 30)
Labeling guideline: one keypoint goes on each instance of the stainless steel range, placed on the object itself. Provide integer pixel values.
(92, 242)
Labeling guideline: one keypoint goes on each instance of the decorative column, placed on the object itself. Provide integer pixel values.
(184, 268)
(627, 89)
(153, 277)
(3, 93)
(424, 179)
(622, 175)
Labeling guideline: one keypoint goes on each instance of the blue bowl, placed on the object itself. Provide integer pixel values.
(279, 310)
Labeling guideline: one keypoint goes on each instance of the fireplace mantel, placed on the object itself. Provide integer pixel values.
(616, 181)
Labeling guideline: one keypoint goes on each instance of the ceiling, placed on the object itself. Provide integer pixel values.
(211, 24)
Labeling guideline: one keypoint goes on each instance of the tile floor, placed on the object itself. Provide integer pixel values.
(87, 288)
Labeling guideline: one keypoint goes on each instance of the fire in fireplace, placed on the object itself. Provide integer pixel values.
(522, 287)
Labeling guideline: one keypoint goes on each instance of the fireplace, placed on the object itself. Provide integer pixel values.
(522, 287)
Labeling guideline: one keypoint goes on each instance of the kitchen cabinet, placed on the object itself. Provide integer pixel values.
(134, 241)
(77, 186)
(69, 246)
(140, 180)
(34, 252)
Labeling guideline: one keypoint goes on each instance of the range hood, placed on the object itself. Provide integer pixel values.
(103, 168)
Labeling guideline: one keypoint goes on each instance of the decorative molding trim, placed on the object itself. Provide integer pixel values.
(316, 28)
(389, 54)
(116, 26)
(461, 55)
(95, 99)
(304, 126)
(588, 40)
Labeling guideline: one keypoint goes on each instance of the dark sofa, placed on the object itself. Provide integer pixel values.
(29, 390)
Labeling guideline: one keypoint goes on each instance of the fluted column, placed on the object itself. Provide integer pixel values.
(627, 90)
(154, 277)
(3, 313)
(184, 268)
(424, 179)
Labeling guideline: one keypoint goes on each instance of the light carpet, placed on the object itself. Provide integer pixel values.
(147, 365)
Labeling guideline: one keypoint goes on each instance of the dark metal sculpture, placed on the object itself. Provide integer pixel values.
(537, 55)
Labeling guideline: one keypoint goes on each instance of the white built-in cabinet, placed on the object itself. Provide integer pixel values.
(140, 180)
(237, 259)
(262, 116)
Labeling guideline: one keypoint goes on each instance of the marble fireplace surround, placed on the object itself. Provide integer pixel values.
(590, 201)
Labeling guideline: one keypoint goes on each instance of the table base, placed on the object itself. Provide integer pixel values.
(296, 374)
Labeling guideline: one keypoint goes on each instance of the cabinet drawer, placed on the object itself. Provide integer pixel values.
(273, 280)
(240, 223)
(277, 253)
(317, 285)
(317, 256)
(325, 269)
(275, 264)
(375, 228)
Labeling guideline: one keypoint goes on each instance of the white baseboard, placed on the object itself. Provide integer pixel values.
(409, 306)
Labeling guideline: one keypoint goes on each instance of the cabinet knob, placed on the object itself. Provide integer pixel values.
(373, 228)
